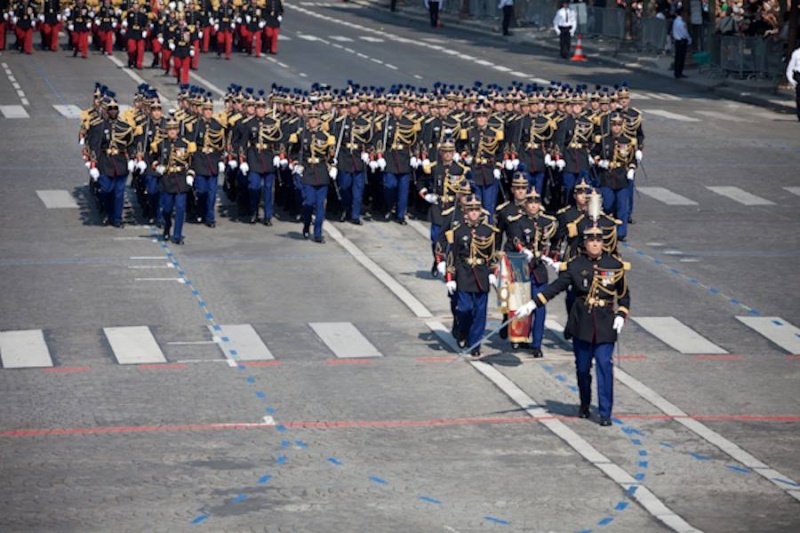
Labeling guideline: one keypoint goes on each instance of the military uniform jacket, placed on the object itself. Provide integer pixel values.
(573, 223)
(440, 173)
(209, 140)
(601, 294)
(535, 132)
(106, 18)
(621, 153)
(25, 15)
(51, 9)
(224, 17)
(259, 141)
(401, 136)
(353, 136)
(272, 10)
(183, 39)
(312, 150)
(574, 139)
(534, 234)
(507, 214)
(471, 256)
(176, 156)
(431, 135)
(632, 127)
(109, 142)
(137, 25)
(484, 145)
(147, 142)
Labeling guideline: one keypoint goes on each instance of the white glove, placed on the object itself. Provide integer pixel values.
(233, 26)
(630, 174)
(514, 163)
(618, 323)
(172, 46)
(284, 163)
(451, 287)
(496, 173)
(248, 18)
(81, 141)
(299, 169)
(261, 25)
(191, 52)
(160, 169)
(426, 162)
(280, 18)
(529, 255)
(525, 310)
(131, 165)
(508, 164)
(548, 161)
(547, 261)
(189, 180)
(468, 160)
(245, 168)
(200, 34)
(233, 164)
(441, 268)
(160, 40)
(41, 18)
(448, 132)
(124, 23)
(639, 156)
(556, 265)
(171, 6)
(88, 165)
(220, 167)
(431, 198)
(456, 157)
(335, 162)
(603, 163)
(141, 166)
(94, 173)
(59, 18)
(591, 160)
(382, 163)
(71, 27)
(373, 165)
(276, 161)
(216, 27)
(365, 158)
(561, 164)
(144, 34)
(239, 20)
(113, 25)
(414, 162)
(492, 280)
(333, 172)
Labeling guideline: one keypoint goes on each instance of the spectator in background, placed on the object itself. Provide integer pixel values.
(508, 10)
(680, 34)
(564, 24)
(433, 7)
(793, 75)
(727, 25)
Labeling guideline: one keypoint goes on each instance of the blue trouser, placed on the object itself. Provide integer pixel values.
(351, 187)
(153, 198)
(395, 191)
(242, 196)
(314, 200)
(257, 183)
(631, 189)
(569, 179)
(535, 180)
(436, 229)
(471, 313)
(112, 196)
(618, 204)
(206, 188)
(178, 202)
(602, 354)
(539, 316)
(488, 197)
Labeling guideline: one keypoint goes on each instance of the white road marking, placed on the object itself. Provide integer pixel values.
(670, 115)
(391, 66)
(678, 335)
(665, 195)
(68, 111)
(126, 70)
(371, 39)
(722, 116)
(340, 38)
(57, 199)
(775, 329)
(17, 86)
(793, 190)
(134, 345)
(139, 267)
(24, 349)
(519, 74)
(501, 68)
(14, 111)
(282, 37)
(378, 61)
(245, 341)
(739, 195)
(344, 340)
(417, 76)
(308, 37)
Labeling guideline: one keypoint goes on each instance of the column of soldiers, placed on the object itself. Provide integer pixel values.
(559, 161)
(175, 29)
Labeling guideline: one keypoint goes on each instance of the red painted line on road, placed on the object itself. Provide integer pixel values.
(66, 369)
(167, 366)
(415, 423)
(436, 359)
(130, 429)
(261, 363)
(793, 357)
(718, 357)
(348, 361)
(631, 357)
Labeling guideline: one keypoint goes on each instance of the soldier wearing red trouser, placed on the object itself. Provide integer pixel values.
(182, 51)
(273, 16)
(135, 28)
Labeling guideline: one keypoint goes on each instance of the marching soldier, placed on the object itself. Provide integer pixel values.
(79, 25)
(207, 163)
(311, 149)
(530, 235)
(471, 260)
(483, 147)
(224, 26)
(397, 135)
(596, 319)
(51, 22)
(182, 47)
(353, 134)
(632, 127)
(173, 160)
(109, 142)
(105, 21)
(195, 23)
(153, 131)
(574, 139)
(616, 157)
(24, 21)
(135, 28)
(511, 211)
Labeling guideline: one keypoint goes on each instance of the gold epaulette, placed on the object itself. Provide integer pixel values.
(548, 217)
(563, 266)
(448, 210)
(563, 210)
(626, 265)
(514, 218)
(572, 229)
(191, 147)
(502, 206)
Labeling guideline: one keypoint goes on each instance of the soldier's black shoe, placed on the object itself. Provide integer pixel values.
(178, 241)
(631, 221)
(211, 224)
(402, 221)
(356, 221)
(253, 219)
(583, 411)
(306, 233)
(434, 270)
(605, 422)
(342, 216)
(267, 221)
(319, 240)
(462, 343)
(387, 216)
(537, 353)
(118, 224)
(622, 239)
(75, 53)
(476, 352)
(165, 236)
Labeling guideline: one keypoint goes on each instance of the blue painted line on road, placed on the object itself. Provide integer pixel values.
(209, 316)
(199, 519)
(285, 444)
(642, 453)
(734, 301)
(618, 421)
(777, 322)
(269, 410)
(658, 261)
(334, 461)
(233, 352)
(644, 464)
(240, 498)
(195, 293)
(251, 379)
(561, 377)
(637, 442)
(693, 281)
(280, 428)
(281, 460)
(754, 312)
(631, 490)
(786, 482)
(548, 369)
(260, 394)
(666, 444)
(430, 500)
(639, 476)
(379, 481)
(264, 479)
(201, 303)
(181, 272)
(699, 456)
(585, 531)
(605, 521)
(740, 469)
(621, 506)
(224, 339)
(497, 520)
(300, 444)
(573, 388)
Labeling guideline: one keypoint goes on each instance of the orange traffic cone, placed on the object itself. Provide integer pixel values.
(578, 55)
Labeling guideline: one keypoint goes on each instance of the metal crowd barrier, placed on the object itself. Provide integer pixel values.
(750, 57)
